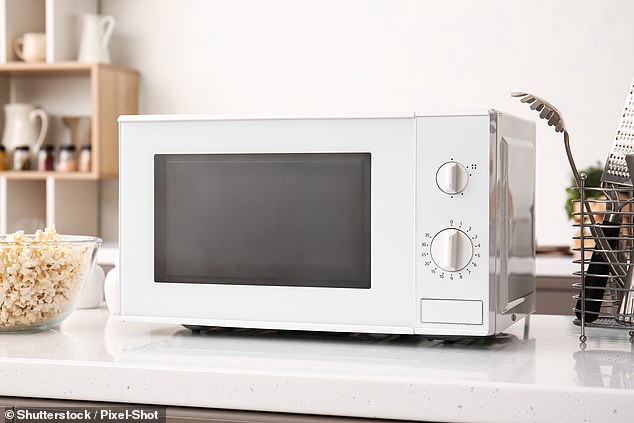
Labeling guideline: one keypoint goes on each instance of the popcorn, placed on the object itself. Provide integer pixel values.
(40, 276)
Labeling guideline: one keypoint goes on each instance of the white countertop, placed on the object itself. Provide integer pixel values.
(541, 377)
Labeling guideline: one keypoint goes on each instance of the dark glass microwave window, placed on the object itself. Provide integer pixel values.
(263, 219)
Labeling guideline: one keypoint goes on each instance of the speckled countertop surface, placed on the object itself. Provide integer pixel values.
(536, 373)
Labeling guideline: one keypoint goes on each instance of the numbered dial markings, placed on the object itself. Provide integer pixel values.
(451, 249)
(451, 253)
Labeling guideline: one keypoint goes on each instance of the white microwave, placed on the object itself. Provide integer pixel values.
(420, 224)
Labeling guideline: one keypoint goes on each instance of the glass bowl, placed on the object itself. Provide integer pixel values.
(41, 281)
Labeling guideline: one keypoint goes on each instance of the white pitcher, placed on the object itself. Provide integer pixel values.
(95, 37)
(21, 128)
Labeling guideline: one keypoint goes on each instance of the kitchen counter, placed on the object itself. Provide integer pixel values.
(534, 372)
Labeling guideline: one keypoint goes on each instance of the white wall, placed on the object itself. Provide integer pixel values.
(292, 57)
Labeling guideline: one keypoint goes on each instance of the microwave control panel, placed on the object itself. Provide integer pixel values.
(454, 250)
(452, 223)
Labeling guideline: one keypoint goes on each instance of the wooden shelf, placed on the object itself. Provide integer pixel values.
(113, 92)
(62, 86)
(41, 175)
(59, 68)
(70, 200)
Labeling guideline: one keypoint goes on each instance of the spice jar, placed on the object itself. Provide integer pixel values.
(4, 159)
(84, 158)
(67, 160)
(46, 157)
(22, 158)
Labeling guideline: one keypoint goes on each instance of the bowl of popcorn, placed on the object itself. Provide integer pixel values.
(41, 277)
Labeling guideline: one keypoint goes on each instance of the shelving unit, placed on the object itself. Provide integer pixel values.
(59, 19)
(62, 87)
(70, 200)
(113, 92)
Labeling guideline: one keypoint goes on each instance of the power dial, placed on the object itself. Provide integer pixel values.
(451, 249)
(452, 178)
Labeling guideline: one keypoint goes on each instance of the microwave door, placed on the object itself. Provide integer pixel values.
(297, 220)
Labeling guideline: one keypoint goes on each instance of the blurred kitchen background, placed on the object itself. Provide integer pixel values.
(289, 57)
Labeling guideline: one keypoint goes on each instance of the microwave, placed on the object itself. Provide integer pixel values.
(405, 224)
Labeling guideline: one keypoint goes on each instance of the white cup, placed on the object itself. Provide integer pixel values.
(31, 47)
(92, 292)
(111, 290)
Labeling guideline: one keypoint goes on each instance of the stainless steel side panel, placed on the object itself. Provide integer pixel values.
(513, 225)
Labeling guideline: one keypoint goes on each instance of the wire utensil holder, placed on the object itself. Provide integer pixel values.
(593, 206)
(605, 216)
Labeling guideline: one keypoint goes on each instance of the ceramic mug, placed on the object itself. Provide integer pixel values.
(92, 291)
(31, 47)
(111, 290)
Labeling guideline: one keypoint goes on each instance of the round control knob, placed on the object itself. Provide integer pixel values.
(452, 178)
(451, 249)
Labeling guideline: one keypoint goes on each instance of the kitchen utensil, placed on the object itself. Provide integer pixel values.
(616, 170)
(603, 261)
(615, 173)
(629, 160)
(95, 37)
(599, 270)
(626, 307)
(31, 47)
(21, 128)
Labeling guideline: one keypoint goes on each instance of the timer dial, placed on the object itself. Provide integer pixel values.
(452, 178)
(451, 249)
